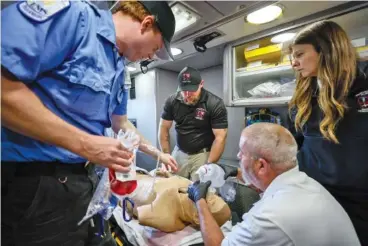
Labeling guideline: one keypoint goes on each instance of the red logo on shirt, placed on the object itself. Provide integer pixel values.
(200, 112)
(362, 100)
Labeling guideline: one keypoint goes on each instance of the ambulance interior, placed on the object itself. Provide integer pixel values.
(243, 56)
(234, 57)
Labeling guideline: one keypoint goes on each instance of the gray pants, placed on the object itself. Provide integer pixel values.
(189, 164)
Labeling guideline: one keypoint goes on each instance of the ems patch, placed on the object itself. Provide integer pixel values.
(200, 112)
(42, 10)
(362, 101)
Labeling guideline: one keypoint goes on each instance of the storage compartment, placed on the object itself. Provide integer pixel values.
(263, 74)
(268, 53)
(258, 72)
(363, 52)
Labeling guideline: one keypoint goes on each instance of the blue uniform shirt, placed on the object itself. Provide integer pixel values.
(70, 61)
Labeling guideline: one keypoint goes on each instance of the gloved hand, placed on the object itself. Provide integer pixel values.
(197, 190)
(229, 171)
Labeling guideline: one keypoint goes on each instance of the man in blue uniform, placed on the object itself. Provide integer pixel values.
(62, 84)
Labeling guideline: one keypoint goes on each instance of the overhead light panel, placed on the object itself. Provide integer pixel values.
(176, 51)
(264, 15)
(131, 69)
(283, 37)
(184, 17)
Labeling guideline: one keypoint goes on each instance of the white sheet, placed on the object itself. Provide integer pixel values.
(139, 235)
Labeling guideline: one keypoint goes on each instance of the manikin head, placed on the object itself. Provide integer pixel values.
(266, 151)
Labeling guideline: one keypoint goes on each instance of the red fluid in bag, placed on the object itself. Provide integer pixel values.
(119, 187)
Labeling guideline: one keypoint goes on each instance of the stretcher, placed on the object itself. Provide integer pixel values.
(139, 235)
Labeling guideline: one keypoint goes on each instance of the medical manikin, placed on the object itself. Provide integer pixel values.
(166, 205)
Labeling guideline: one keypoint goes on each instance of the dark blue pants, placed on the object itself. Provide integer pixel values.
(355, 203)
(43, 202)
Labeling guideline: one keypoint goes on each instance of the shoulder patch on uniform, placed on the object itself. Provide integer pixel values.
(362, 101)
(42, 10)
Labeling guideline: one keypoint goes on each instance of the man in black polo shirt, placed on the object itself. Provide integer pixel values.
(201, 124)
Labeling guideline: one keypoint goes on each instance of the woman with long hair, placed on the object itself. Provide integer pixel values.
(330, 113)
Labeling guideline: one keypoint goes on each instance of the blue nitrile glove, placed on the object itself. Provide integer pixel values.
(197, 190)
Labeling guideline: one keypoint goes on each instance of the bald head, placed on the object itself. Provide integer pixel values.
(271, 142)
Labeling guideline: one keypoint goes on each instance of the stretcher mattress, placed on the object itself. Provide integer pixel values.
(139, 235)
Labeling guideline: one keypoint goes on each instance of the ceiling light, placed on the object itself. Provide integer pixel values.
(131, 69)
(264, 15)
(176, 51)
(184, 17)
(283, 37)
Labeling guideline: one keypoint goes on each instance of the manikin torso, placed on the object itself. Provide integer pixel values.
(168, 208)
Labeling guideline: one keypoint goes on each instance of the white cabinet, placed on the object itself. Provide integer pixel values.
(245, 81)
(257, 73)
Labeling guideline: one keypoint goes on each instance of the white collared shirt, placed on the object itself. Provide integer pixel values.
(294, 210)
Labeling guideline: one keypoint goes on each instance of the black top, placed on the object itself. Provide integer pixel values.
(194, 124)
(344, 164)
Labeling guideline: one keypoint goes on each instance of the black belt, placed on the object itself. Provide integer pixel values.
(196, 152)
(25, 169)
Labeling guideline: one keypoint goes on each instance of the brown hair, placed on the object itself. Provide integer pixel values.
(135, 10)
(336, 71)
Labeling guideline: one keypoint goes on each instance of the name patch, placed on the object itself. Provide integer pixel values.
(41, 11)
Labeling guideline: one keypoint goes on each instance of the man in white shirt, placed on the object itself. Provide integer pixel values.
(294, 209)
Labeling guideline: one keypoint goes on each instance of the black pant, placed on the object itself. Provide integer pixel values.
(43, 202)
(355, 203)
